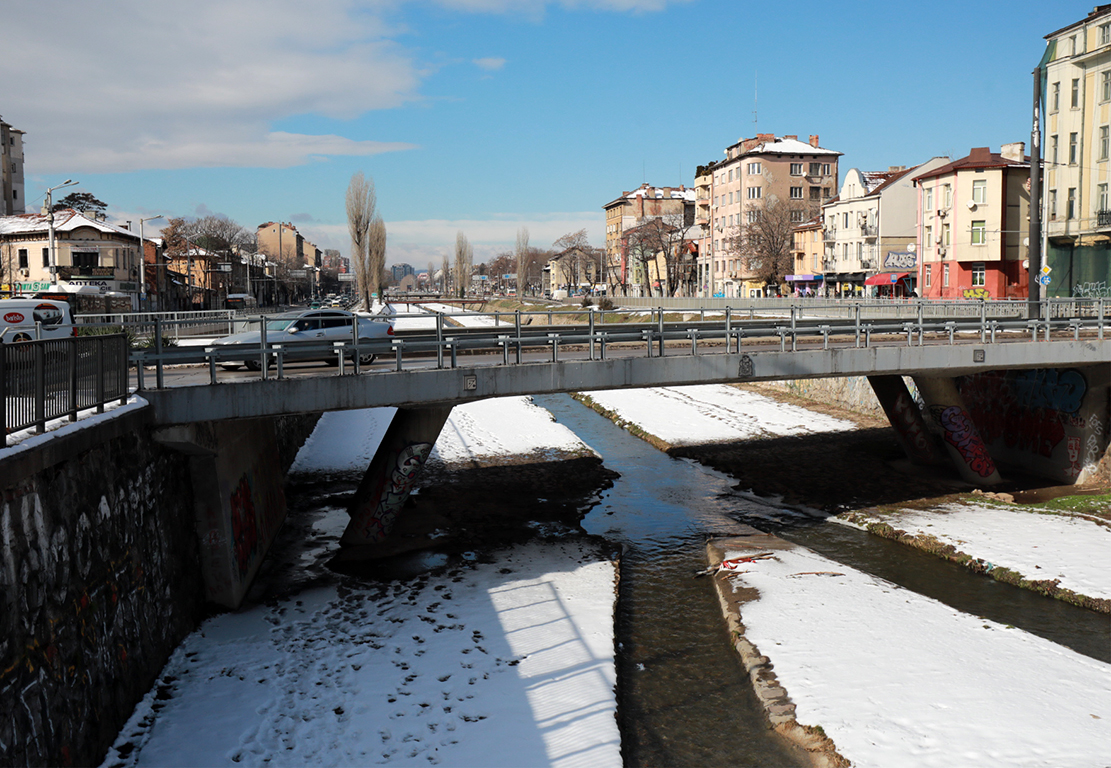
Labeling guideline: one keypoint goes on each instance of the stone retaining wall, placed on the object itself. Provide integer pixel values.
(100, 581)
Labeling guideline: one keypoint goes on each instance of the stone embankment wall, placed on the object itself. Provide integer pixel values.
(100, 581)
(852, 392)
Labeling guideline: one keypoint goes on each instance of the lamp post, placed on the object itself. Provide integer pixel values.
(48, 209)
(143, 263)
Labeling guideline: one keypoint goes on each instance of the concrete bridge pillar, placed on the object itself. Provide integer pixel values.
(961, 437)
(907, 421)
(393, 472)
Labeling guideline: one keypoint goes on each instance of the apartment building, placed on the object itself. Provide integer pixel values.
(972, 224)
(284, 244)
(1077, 208)
(12, 187)
(631, 210)
(757, 174)
(871, 233)
(807, 251)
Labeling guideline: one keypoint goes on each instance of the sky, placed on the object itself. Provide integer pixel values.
(486, 116)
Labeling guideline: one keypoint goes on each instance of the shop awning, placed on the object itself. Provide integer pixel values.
(803, 278)
(886, 278)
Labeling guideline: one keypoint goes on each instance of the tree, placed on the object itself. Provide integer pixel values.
(376, 254)
(522, 259)
(580, 259)
(445, 275)
(464, 258)
(764, 243)
(81, 201)
(361, 202)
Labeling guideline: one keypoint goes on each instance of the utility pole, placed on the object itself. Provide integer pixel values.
(1034, 248)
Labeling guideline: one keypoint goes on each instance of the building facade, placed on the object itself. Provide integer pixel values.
(12, 187)
(973, 226)
(756, 175)
(675, 205)
(1077, 207)
(807, 251)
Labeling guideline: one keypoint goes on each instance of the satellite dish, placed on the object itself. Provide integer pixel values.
(910, 248)
(1026, 242)
(971, 205)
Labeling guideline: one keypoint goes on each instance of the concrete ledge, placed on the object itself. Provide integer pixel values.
(774, 697)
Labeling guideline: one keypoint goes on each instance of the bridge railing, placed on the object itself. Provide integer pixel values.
(176, 325)
(49, 379)
(656, 333)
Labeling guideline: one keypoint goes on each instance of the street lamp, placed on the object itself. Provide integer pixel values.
(143, 263)
(48, 209)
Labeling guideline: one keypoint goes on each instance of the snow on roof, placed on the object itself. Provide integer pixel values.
(65, 220)
(783, 146)
(660, 192)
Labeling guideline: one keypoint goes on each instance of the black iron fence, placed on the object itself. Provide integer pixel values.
(56, 378)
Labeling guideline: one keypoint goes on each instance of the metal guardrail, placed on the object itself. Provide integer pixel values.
(54, 378)
(728, 332)
(177, 324)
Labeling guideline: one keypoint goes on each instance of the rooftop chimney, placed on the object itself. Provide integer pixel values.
(1015, 151)
(814, 140)
(980, 155)
(794, 137)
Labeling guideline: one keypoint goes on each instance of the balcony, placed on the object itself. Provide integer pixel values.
(868, 230)
(1103, 218)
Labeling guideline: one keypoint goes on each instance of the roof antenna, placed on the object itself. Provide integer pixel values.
(756, 101)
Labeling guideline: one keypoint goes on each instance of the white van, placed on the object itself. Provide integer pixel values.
(22, 320)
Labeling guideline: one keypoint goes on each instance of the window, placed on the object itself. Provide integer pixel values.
(980, 191)
(814, 193)
(1073, 146)
(1070, 210)
(796, 193)
(1075, 92)
(1053, 149)
(844, 220)
(979, 275)
(944, 275)
(815, 169)
(928, 200)
(1101, 194)
(1104, 34)
(1072, 45)
(23, 258)
(83, 260)
(796, 168)
(754, 193)
(1055, 98)
(825, 169)
(731, 174)
(979, 233)
(928, 237)
(45, 258)
(1104, 140)
(929, 271)
(754, 169)
(797, 216)
(946, 238)
(1105, 86)
(752, 216)
(1052, 205)
(947, 196)
(825, 193)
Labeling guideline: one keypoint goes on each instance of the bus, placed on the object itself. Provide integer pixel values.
(243, 303)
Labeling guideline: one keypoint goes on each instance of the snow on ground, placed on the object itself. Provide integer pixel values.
(895, 678)
(1038, 546)
(466, 319)
(28, 439)
(345, 441)
(501, 664)
(708, 413)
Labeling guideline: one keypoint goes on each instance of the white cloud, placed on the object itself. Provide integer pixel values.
(489, 63)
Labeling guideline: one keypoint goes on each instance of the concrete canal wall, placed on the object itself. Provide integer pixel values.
(101, 579)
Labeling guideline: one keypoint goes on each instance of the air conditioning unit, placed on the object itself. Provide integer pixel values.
(24, 273)
(941, 250)
(942, 212)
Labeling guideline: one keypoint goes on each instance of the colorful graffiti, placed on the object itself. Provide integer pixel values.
(976, 293)
(254, 520)
(392, 490)
(961, 433)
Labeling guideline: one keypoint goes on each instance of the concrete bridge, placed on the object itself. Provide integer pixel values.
(1029, 395)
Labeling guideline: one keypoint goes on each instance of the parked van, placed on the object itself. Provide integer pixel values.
(22, 319)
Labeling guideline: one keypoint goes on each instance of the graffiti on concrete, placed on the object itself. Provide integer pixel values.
(908, 423)
(1039, 412)
(977, 293)
(900, 260)
(1092, 290)
(393, 488)
(960, 433)
(254, 520)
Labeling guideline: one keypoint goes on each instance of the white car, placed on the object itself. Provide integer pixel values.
(311, 335)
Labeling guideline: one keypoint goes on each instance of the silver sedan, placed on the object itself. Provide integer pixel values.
(311, 335)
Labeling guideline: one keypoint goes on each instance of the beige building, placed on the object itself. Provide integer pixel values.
(631, 210)
(807, 250)
(1077, 153)
(12, 187)
(283, 243)
(973, 225)
(91, 256)
(759, 173)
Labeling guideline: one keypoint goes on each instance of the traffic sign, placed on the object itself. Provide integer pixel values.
(1044, 279)
(1046, 269)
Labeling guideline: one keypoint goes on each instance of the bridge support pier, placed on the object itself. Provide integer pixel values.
(907, 421)
(962, 439)
(237, 496)
(392, 473)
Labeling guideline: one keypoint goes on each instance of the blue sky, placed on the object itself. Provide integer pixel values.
(489, 115)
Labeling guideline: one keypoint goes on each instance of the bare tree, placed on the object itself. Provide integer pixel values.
(764, 242)
(522, 259)
(361, 202)
(579, 258)
(376, 255)
(445, 275)
(464, 258)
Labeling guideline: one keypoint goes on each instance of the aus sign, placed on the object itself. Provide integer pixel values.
(900, 260)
